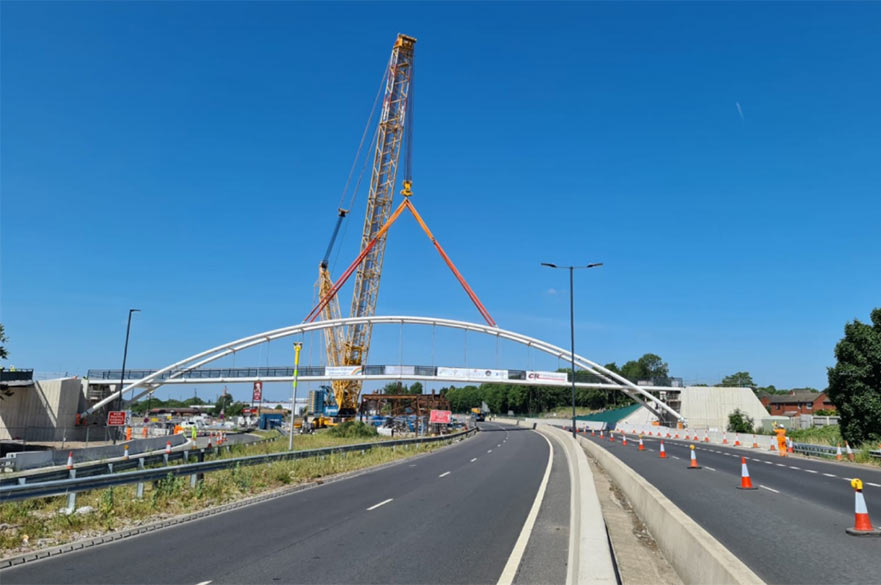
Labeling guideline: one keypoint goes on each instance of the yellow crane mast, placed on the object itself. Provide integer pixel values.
(349, 347)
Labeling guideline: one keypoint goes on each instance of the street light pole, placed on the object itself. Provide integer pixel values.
(297, 347)
(128, 329)
(572, 324)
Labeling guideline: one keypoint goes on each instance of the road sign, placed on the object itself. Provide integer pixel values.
(440, 417)
(116, 418)
(258, 391)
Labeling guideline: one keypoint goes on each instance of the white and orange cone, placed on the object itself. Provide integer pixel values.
(641, 446)
(838, 453)
(736, 440)
(789, 444)
(601, 434)
(70, 459)
(862, 525)
(167, 447)
(706, 437)
(593, 433)
(745, 482)
(755, 443)
(850, 456)
(693, 464)
(772, 446)
(724, 438)
(624, 439)
(612, 436)
(125, 452)
(663, 453)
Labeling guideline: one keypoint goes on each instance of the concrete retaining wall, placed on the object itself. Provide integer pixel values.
(36, 459)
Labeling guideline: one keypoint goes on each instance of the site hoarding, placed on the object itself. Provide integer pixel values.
(334, 371)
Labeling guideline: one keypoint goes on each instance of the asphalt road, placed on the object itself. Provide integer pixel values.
(790, 530)
(449, 517)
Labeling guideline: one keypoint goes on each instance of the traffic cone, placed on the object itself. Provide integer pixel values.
(862, 524)
(693, 464)
(724, 438)
(601, 434)
(611, 436)
(850, 456)
(838, 453)
(624, 440)
(668, 434)
(755, 443)
(789, 444)
(677, 436)
(663, 454)
(167, 447)
(144, 432)
(772, 446)
(70, 459)
(593, 433)
(125, 452)
(706, 437)
(745, 482)
(736, 440)
(641, 446)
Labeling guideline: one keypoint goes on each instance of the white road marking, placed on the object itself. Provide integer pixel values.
(473, 460)
(770, 463)
(830, 475)
(769, 489)
(708, 467)
(203, 583)
(489, 450)
(444, 474)
(675, 457)
(779, 465)
(794, 467)
(382, 503)
(510, 570)
(810, 471)
(499, 445)
(847, 478)
(872, 484)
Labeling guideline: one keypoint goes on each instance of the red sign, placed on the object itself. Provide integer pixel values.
(258, 391)
(116, 418)
(443, 417)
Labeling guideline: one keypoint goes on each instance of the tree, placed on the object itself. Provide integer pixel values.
(3, 353)
(738, 380)
(739, 422)
(223, 403)
(655, 369)
(855, 380)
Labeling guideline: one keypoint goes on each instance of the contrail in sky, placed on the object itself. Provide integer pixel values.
(740, 111)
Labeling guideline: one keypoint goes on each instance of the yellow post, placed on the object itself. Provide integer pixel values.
(297, 347)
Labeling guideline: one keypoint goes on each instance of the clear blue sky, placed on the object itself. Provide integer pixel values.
(187, 159)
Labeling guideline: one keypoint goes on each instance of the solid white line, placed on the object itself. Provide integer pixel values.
(830, 475)
(769, 489)
(473, 460)
(510, 570)
(444, 474)
(382, 503)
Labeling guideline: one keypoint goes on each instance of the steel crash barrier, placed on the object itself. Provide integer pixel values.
(72, 485)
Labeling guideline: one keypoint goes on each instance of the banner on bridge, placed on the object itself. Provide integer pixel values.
(334, 371)
(554, 377)
(472, 374)
(443, 417)
(400, 370)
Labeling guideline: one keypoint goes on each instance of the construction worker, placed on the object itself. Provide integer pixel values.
(193, 434)
(780, 431)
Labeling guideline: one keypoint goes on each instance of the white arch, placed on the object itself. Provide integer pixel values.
(176, 369)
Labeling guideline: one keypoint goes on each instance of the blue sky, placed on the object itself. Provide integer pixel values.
(187, 159)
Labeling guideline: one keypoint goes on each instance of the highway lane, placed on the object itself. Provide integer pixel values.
(789, 531)
(448, 517)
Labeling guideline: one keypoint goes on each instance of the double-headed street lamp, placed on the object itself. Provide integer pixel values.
(122, 376)
(572, 324)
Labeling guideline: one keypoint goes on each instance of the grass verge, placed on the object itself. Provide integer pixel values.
(34, 524)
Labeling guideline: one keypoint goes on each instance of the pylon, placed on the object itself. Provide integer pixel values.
(745, 482)
(838, 453)
(677, 435)
(593, 433)
(668, 434)
(663, 454)
(144, 432)
(736, 440)
(601, 433)
(693, 464)
(724, 438)
(789, 444)
(611, 436)
(862, 524)
(167, 447)
(706, 436)
(70, 459)
(125, 452)
(624, 439)
(755, 443)
(772, 446)
(850, 456)
(641, 446)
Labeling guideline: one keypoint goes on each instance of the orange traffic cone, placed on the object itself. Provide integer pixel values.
(862, 524)
(693, 464)
(706, 437)
(755, 443)
(850, 456)
(772, 446)
(167, 447)
(838, 453)
(668, 434)
(663, 454)
(745, 482)
(144, 432)
(624, 440)
(789, 444)
(70, 459)
(724, 438)
(677, 436)
(593, 433)
(601, 434)
(736, 440)
(641, 446)
(611, 436)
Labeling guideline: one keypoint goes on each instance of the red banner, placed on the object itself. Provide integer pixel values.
(443, 417)
(258, 391)
(116, 418)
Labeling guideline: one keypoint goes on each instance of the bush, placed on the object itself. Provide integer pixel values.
(739, 422)
(353, 430)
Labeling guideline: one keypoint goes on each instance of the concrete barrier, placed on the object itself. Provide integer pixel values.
(25, 460)
(696, 556)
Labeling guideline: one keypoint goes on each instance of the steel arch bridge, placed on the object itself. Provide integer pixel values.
(179, 369)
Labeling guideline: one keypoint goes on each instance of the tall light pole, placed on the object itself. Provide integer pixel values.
(297, 347)
(572, 324)
(128, 330)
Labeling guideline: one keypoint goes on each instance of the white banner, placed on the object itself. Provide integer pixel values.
(400, 370)
(472, 373)
(537, 376)
(334, 371)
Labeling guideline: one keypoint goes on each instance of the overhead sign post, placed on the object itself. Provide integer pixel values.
(116, 418)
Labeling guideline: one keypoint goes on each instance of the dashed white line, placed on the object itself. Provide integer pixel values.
(830, 475)
(203, 583)
(708, 467)
(769, 462)
(675, 457)
(499, 445)
(794, 467)
(779, 465)
(847, 478)
(382, 503)
(872, 484)
(769, 489)
(810, 471)
(473, 460)
(489, 450)
(444, 474)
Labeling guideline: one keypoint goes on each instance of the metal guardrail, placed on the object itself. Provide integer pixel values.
(73, 485)
(823, 450)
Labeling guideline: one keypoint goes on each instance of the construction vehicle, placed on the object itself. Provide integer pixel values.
(477, 415)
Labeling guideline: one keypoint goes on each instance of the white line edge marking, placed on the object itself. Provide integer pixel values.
(510, 570)
(872, 484)
(473, 460)
(769, 489)
(444, 474)
(382, 503)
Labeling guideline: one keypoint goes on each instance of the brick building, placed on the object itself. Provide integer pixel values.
(796, 402)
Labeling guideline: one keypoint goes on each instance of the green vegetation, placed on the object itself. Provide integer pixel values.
(3, 340)
(353, 430)
(401, 388)
(118, 508)
(740, 422)
(855, 381)
(828, 435)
